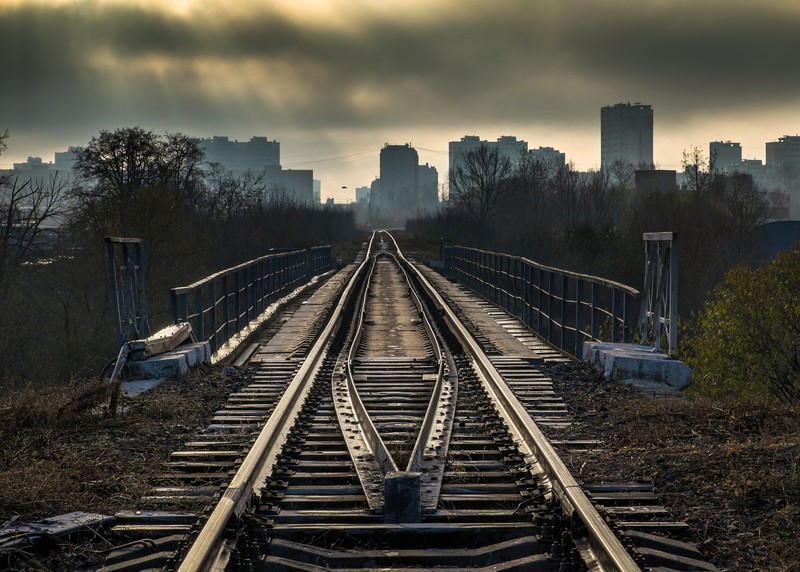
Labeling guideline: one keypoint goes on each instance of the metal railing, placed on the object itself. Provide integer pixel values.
(564, 308)
(221, 305)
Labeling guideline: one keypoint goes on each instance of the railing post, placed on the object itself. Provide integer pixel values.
(564, 311)
(226, 307)
(595, 302)
(212, 323)
(198, 326)
(539, 289)
(250, 273)
(673, 297)
(578, 317)
(237, 277)
(271, 279)
(551, 283)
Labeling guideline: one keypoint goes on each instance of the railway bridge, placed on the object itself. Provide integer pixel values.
(397, 417)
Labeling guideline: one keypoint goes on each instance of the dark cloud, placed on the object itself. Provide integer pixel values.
(469, 61)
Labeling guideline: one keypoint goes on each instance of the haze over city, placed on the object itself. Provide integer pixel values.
(333, 80)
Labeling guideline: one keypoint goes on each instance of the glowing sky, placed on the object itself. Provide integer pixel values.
(333, 80)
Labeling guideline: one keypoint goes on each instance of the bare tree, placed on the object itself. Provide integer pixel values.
(567, 189)
(699, 171)
(25, 207)
(531, 180)
(117, 165)
(623, 173)
(749, 208)
(479, 185)
(226, 196)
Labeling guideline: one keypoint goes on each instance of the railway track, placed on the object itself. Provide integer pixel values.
(387, 427)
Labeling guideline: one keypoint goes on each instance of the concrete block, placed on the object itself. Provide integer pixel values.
(636, 364)
(173, 363)
(136, 387)
(401, 500)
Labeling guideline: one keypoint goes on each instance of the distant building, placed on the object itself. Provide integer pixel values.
(507, 145)
(399, 176)
(65, 160)
(626, 134)
(296, 184)
(726, 155)
(237, 156)
(260, 156)
(35, 173)
(783, 165)
(427, 188)
(34, 168)
(362, 194)
(784, 151)
(549, 157)
(317, 189)
(375, 193)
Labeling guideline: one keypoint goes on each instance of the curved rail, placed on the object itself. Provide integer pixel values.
(607, 549)
(207, 549)
(360, 428)
(428, 451)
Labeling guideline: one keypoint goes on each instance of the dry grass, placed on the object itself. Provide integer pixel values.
(730, 470)
(60, 453)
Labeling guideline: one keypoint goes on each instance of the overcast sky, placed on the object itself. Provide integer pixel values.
(333, 80)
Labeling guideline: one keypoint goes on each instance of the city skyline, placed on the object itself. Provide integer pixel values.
(335, 81)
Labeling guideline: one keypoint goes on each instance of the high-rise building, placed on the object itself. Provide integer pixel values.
(507, 146)
(294, 184)
(317, 191)
(726, 155)
(783, 163)
(549, 157)
(375, 197)
(626, 134)
(362, 194)
(785, 152)
(399, 176)
(428, 188)
(238, 156)
(65, 160)
(260, 156)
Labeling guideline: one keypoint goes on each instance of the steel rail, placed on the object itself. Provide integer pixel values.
(425, 437)
(445, 414)
(606, 548)
(382, 463)
(207, 548)
(373, 439)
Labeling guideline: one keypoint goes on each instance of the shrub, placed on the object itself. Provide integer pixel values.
(748, 336)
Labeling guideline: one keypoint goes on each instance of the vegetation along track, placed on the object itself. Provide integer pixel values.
(386, 438)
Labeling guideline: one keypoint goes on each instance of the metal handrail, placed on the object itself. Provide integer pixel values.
(222, 304)
(564, 308)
